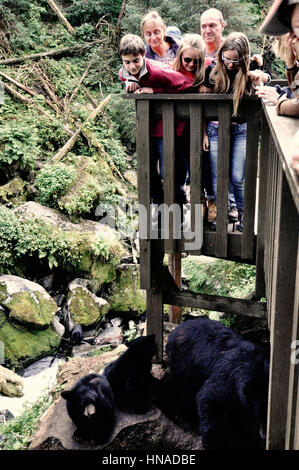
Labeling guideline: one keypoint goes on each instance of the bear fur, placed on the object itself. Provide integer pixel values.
(225, 381)
(90, 405)
(130, 376)
(76, 335)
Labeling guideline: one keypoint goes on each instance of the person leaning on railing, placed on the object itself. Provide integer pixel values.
(283, 20)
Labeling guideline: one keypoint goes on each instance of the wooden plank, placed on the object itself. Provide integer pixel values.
(252, 142)
(175, 268)
(144, 175)
(224, 115)
(196, 152)
(283, 298)
(292, 432)
(154, 320)
(169, 175)
(250, 308)
(260, 286)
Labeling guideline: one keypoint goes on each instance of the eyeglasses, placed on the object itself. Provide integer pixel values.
(188, 60)
(229, 61)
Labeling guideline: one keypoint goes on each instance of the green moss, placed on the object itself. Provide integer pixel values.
(32, 308)
(83, 308)
(22, 346)
(126, 293)
(13, 192)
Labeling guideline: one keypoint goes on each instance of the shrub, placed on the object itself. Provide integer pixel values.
(52, 182)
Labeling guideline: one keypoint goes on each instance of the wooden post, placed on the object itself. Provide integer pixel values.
(174, 265)
(283, 299)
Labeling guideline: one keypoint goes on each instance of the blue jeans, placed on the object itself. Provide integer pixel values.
(237, 160)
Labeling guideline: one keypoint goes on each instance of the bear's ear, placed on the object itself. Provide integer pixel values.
(95, 381)
(67, 394)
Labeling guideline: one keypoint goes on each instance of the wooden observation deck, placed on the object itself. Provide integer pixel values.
(269, 239)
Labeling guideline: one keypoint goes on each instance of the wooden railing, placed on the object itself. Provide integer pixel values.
(269, 239)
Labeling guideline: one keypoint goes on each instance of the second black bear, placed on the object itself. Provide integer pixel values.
(225, 379)
(130, 376)
(90, 405)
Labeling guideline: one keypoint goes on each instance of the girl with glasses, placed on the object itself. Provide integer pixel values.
(231, 74)
(191, 62)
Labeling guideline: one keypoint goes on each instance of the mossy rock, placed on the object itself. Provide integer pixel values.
(31, 308)
(125, 293)
(23, 346)
(27, 302)
(13, 192)
(84, 307)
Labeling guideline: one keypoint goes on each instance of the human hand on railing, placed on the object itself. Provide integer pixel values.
(257, 77)
(206, 143)
(268, 93)
(131, 87)
(145, 90)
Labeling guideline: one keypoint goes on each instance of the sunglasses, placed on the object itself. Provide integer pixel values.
(188, 60)
(229, 61)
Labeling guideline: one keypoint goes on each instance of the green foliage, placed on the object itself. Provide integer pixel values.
(92, 11)
(18, 143)
(220, 277)
(118, 108)
(16, 433)
(52, 182)
(32, 238)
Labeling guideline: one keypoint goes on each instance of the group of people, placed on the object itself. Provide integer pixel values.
(169, 63)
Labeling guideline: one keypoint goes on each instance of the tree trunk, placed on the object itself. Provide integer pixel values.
(61, 17)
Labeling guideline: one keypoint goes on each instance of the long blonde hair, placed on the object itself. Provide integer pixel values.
(238, 42)
(195, 42)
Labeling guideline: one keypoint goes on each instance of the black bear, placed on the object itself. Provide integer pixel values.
(130, 376)
(225, 380)
(76, 335)
(90, 405)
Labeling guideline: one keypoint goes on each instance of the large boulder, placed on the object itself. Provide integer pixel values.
(27, 302)
(125, 293)
(14, 192)
(26, 318)
(11, 384)
(96, 247)
(84, 307)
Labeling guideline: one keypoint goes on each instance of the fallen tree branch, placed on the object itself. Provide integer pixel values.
(80, 82)
(30, 102)
(52, 53)
(61, 17)
(27, 89)
(71, 142)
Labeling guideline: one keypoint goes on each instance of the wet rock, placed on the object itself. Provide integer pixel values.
(85, 308)
(27, 301)
(11, 384)
(110, 335)
(125, 294)
(5, 415)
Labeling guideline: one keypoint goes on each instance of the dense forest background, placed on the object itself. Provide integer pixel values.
(45, 100)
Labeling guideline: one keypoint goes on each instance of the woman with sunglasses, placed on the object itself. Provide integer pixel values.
(231, 74)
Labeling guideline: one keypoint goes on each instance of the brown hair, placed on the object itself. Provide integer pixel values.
(238, 42)
(195, 42)
(131, 44)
